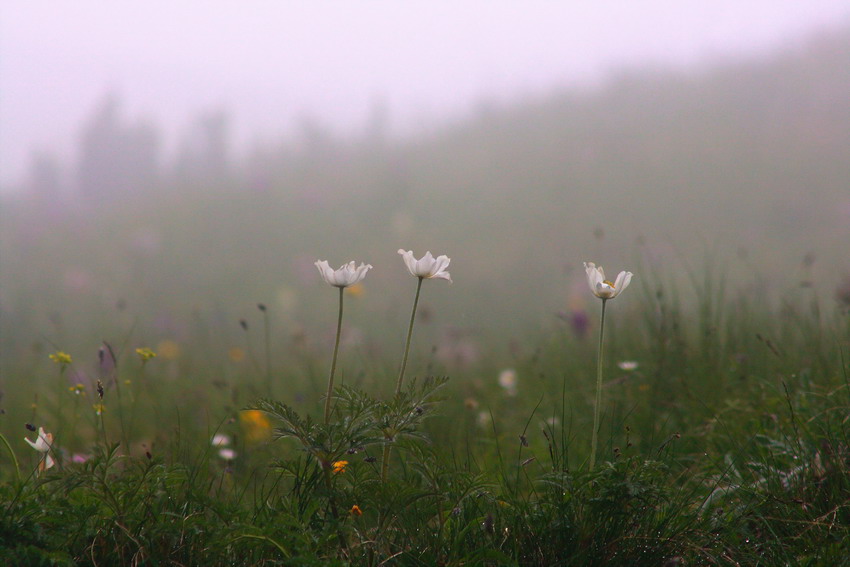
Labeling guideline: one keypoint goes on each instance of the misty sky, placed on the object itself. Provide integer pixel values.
(270, 62)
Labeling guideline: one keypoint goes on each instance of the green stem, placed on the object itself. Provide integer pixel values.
(385, 458)
(333, 362)
(332, 502)
(124, 435)
(12, 453)
(99, 418)
(598, 407)
(409, 335)
(267, 333)
(114, 376)
(385, 461)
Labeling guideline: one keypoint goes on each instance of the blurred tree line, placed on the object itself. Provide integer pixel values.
(746, 158)
(792, 109)
(117, 158)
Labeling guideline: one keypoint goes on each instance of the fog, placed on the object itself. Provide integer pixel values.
(269, 64)
(167, 168)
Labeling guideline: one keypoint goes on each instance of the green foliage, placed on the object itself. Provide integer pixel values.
(118, 510)
(728, 443)
(737, 452)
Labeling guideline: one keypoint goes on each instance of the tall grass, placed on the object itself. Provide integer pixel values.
(728, 444)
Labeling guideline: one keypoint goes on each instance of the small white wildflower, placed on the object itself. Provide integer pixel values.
(602, 288)
(220, 440)
(43, 444)
(427, 266)
(346, 275)
(508, 381)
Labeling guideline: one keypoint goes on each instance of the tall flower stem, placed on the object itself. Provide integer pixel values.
(598, 407)
(409, 335)
(333, 362)
(385, 458)
(267, 336)
(385, 462)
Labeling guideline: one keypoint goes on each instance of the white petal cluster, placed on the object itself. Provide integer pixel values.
(508, 381)
(345, 276)
(43, 443)
(227, 453)
(222, 442)
(603, 288)
(427, 266)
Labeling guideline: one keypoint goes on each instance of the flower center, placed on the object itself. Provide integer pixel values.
(608, 283)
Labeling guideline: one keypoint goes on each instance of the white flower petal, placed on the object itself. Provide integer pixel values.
(220, 440)
(346, 275)
(407, 256)
(43, 442)
(440, 266)
(592, 275)
(427, 266)
(601, 287)
(426, 262)
(623, 281)
(325, 270)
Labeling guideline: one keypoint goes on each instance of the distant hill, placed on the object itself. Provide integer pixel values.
(747, 160)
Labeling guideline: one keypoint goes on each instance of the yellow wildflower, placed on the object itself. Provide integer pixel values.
(256, 424)
(356, 511)
(145, 354)
(61, 357)
(99, 408)
(339, 466)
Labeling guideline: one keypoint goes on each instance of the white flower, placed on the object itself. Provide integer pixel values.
(345, 276)
(507, 380)
(220, 440)
(602, 288)
(43, 444)
(227, 454)
(628, 365)
(484, 419)
(427, 266)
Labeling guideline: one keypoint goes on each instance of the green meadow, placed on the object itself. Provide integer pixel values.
(168, 352)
